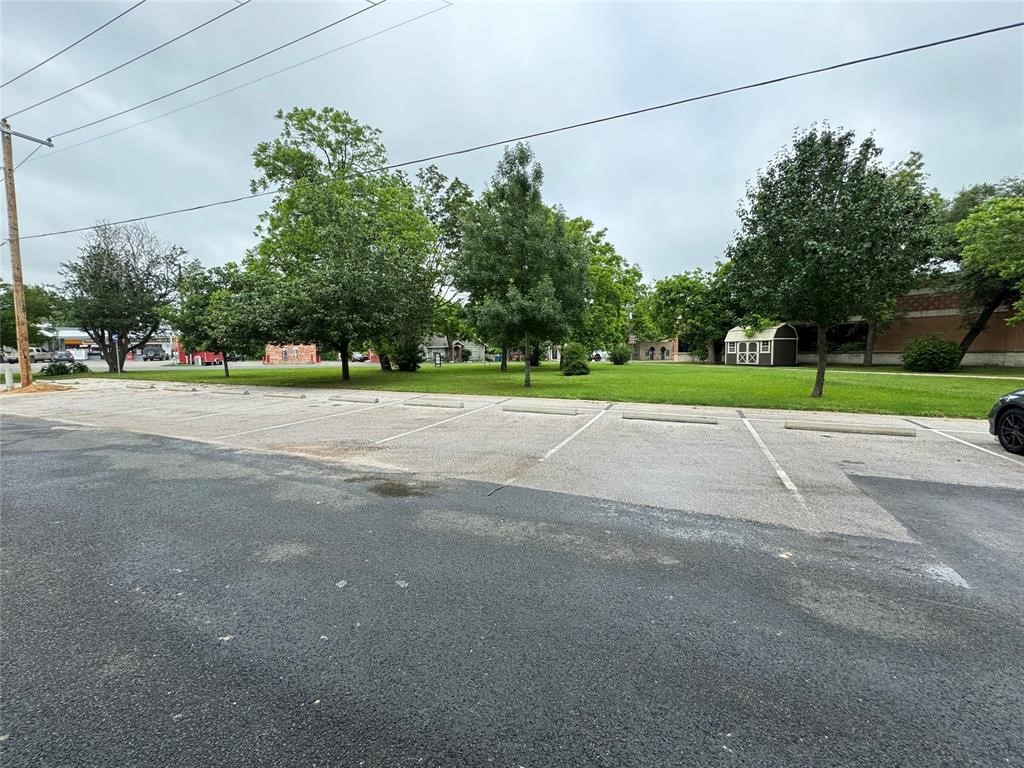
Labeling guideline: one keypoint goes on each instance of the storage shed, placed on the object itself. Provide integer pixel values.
(772, 346)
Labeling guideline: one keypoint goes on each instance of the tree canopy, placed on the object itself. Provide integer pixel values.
(697, 307)
(123, 283)
(524, 276)
(40, 307)
(993, 244)
(825, 235)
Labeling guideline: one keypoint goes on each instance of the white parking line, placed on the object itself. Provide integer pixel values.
(1005, 456)
(786, 481)
(438, 423)
(332, 415)
(228, 413)
(575, 434)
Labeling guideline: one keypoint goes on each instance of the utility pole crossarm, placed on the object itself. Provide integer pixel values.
(5, 128)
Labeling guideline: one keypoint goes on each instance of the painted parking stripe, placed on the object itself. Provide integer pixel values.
(438, 423)
(783, 476)
(332, 415)
(1005, 456)
(575, 434)
(247, 409)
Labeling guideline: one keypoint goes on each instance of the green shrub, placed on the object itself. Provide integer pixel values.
(620, 354)
(931, 354)
(407, 355)
(574, 360)
(466, 355)
(63, 369)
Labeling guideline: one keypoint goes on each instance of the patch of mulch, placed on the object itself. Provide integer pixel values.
(37, 387)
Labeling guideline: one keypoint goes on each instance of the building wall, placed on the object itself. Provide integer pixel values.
(290, 354)
(641, 348)
(947, 322)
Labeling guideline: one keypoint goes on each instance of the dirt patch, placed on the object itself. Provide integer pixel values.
(37, 387)
(393, 489)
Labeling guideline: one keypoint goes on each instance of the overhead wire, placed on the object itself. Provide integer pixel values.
(132, 60)
(222, 72)
(572, 126)
(67, 48)
(243, 85)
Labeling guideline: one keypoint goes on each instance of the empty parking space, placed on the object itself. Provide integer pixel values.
(713, 461)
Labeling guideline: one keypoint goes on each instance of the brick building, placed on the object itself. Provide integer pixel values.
(290, 354)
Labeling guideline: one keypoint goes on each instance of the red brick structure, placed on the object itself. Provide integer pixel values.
(290, 354)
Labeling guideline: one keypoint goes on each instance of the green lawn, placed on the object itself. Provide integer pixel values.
(680, 383)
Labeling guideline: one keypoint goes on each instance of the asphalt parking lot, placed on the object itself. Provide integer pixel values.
(621, 452)
(210, 577)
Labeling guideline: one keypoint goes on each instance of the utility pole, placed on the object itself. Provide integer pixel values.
(17, 281)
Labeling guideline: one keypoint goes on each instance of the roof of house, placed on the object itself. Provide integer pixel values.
(739, 333)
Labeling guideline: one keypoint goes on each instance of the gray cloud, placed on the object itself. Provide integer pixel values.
(666, 184)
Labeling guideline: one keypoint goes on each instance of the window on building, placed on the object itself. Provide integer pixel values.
(731, 348)
(766, 346)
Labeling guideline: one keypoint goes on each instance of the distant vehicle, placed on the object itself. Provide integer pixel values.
(9, 355)
(234, 357)
(359, 357)
(93, 352)
(154, 353)
(64, 356)
(1006, 421)
(38, 355)
(599, 355)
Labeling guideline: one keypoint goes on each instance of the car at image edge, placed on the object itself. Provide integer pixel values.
(1006, 421)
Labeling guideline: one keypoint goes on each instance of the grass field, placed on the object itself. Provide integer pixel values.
(681, 383)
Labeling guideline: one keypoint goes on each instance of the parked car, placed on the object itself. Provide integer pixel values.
(63, 356)
(154, 353)
(9, 355)
(1006, 421)
(234, 357)
(598, 355)
(38, 355)
(359, 357)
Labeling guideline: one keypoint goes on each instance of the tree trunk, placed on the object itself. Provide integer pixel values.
(869, 345)
(344, 355)
(711, 352)
(385, 363)
(226, 374)
(980, 322)
(526, 359)
(504, 359)
(819, 378)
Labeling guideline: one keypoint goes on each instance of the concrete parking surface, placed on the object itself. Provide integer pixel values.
(288, 578)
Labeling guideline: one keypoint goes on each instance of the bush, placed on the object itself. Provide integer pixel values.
(63, 369)
(407, 355)
(931, 354)
(621, 354)
(574, 360)
(466, 355)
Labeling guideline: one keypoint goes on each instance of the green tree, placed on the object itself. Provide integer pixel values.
(613, 286)
(981, 291)
(695, 306)
(40, 307)
(524, 276)
(992, 236)
(444, 203)
(214, 310)
(817, 236)
(344, 245)
(123, 283)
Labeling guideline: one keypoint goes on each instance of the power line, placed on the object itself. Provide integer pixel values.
(72, 45)
(244, 85)
(572, 126)
(93, 79)
(223, 71)
(38, 147)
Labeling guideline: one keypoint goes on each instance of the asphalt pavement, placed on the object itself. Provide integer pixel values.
(168, 602)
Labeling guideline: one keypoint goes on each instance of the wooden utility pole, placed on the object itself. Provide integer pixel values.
(17, 282)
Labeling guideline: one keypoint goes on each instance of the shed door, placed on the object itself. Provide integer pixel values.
(747, 354)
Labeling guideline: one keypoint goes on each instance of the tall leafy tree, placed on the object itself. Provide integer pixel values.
(40, 307)
(122, 284)
(445, 204)
(613, 286)
(981, 291)
(524, 276)
(697, 307)
(819, 235)
(992, 236)
(344, 245)
(214, 310)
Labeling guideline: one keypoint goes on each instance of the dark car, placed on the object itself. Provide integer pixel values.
(359, 357)
(64, 356)
(234, 357)
(1006, 421)
(154, 353)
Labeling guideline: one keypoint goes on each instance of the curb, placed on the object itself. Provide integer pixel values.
(292, 395)
(552, 410)
(436, 403)
(859, 429)
(676, 417)
(354, 399)
(231, 391)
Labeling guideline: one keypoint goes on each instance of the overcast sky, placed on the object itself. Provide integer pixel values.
(666, 184)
